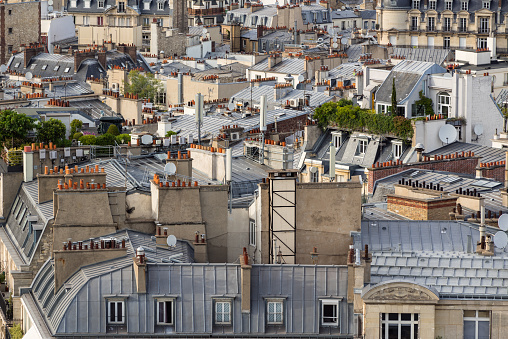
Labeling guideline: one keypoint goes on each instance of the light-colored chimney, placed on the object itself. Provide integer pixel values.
(28, 164)
(419, 152)
(140, 270)
(332, 162)
(245, 281)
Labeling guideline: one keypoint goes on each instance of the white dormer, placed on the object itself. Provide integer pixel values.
(73, 3)
(86, 3)
(146, 5)
(397, 149)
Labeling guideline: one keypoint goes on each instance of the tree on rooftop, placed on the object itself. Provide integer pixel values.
(14, 127)
(76, 126)
(51, 130)
(143, 84)
(394, 98)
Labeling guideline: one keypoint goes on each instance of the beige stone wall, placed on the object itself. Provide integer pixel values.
(25, 21)
(99, 34)
(210, 90)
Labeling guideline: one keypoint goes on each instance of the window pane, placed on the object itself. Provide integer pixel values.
(483, 330)
(393, 316)
(405, 331)
(405, 316)
(169, 311)
(415, 334)
(415, 316)
(161, 311)
(119, 311)
(483, 314)
(469, 330)
(393, 331)
(470, 314)
(111, 311)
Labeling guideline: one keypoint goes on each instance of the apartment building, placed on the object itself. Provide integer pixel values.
(128, 22)
(443, 24)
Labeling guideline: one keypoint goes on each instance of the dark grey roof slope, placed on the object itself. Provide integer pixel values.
(488, 154)
(404, 84)
(110, 5)
(435, 254)
(437, 56)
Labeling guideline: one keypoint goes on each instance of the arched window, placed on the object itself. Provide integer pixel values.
(444, 104)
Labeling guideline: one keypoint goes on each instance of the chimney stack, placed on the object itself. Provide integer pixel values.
(28, 164)
(140, 270)
(245, 280)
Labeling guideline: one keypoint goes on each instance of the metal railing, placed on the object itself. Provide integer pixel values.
(431, 28)
(209, 11)
(12, 157)
(102, 151)
(483, 30)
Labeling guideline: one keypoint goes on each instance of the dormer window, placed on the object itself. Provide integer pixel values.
(121, 7)
(160, 6)
(362, 146)
(146, 6)
(397, 149)
(486, 4)
(73, 3)
(416, 4)
(86, 4)
(464, 6)
(100, 4)
(432, 5)
(448, 5)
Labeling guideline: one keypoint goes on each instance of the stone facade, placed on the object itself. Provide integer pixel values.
(421, 209)
(20, 24)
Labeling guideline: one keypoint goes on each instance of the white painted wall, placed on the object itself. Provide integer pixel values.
(58, 28)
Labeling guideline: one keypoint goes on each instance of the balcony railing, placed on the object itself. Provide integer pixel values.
(447, 28)
(483, 30)
(462, 29)
(414, 28)
(431, 28)
(209, 11)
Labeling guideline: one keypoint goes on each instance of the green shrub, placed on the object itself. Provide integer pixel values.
(2, 277)
(113, 129)
(88, 140)
(342, 114)
(63, 143)
(123, 138)
(105, 140)
(16, 332)
(170, 133)
(76, 126)
(77, 135)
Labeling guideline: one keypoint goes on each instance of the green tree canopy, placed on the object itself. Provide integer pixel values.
(145, 85)
(76, 126)
(51, 130)
(113, 130)
(14, 127)
(394, 98)
(170, 133)
(88, 140)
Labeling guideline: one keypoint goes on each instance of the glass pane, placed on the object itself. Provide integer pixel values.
(226, 317)
(383, 316)
(119, 307)
(469, 330)
(483, 330)
(111, 311)
(483, 314)
(470, 314)
(393, 316)
(226, 307)
(278, 317)
(393, 332)
(169, 311)
(405, 316)
(161, 312)
(383, 330)
(415, 334)
(415, 316)
(405, 332)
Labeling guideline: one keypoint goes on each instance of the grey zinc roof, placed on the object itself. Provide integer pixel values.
(344, 14)
(404, 84)
(437, 56)
(487, 154)
(286, 66)
(345, 71)
(434, 254)
(137, 6)
(440, 6)
(194, 287)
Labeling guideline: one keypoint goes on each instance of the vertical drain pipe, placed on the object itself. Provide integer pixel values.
(262, 127)
(180, 88)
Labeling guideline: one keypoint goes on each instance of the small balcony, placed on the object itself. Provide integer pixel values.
(482, 30)
(447, 28)
(413, 28)
(462, 29)
(431, 28)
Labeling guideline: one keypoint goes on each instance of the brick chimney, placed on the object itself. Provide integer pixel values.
(245, 280)
(274, 59)
(80, 56)
(260, 31)
(31, 51)
(128, 49)
(140, 270)
(101, 57)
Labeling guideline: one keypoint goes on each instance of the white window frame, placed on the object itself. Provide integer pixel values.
(432, 4)
(416, 4)
(362, 146)
(117, 320)
(397, 150)
(463, 24)
(160, 5)
(464, 6)
(336, 139)
(219, 313)
(336, 317)
(486, 4)
(86, 4)
(482, 42)
(100, 3)
(252, 232)
(172, 316)
(414, 22)
(446, 42)
(476, 319)
(314, 176)
(271, 317)
(73, 3)
(146, 6)
(399, 324)
(86, 20)
(444, 100)
(44, 67)
(448, 5)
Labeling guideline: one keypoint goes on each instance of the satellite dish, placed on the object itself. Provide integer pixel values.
(3, 68)
(50, 2)
(169, 169)
(18, 83)
(447, 134)
(146, 139)
(500, 239)
(171, 240)
(29, 75)
(313, 169)
(478, 129)
(343, 41)
(231, 106)
(301, 78)
(335, 45)
(502, 222)
(50, 8)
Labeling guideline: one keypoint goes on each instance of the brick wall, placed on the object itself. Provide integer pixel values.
(23, 18)
(421, 209)
(465, 165)
(494, 172)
